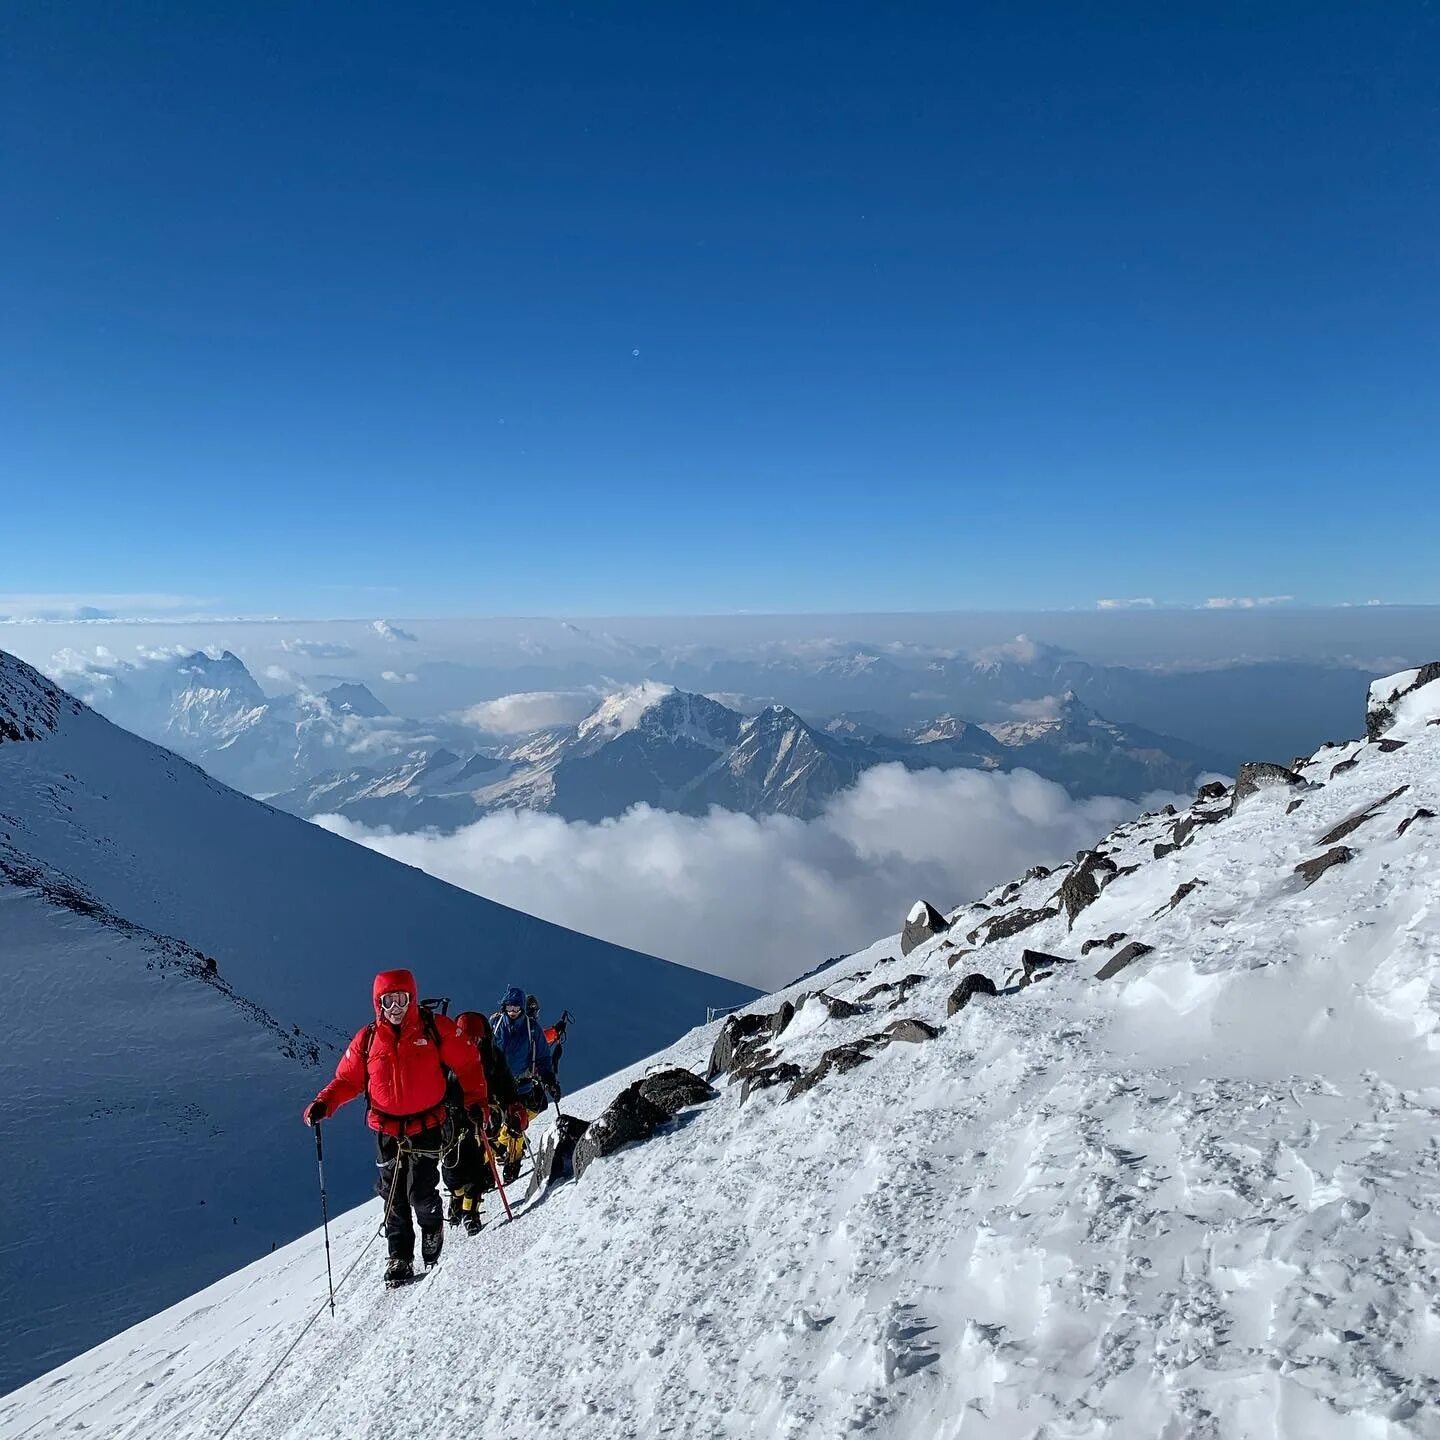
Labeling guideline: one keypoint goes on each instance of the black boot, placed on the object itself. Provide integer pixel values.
(398, 1271)
(430, 1243)
(474, 1216)
(456, 1210)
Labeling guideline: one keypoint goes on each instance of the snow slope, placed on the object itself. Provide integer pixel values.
(1195, 1199)
(180, 964)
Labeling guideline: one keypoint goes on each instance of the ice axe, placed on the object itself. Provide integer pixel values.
(495, 1171)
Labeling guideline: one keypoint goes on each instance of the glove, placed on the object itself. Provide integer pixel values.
(553, 1091)
(479, 1112)
(518, 1119)
(315, 1111)
(494, 1121)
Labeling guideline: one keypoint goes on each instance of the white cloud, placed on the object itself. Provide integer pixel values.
(396, 678)
(1047, 707)
(1138, 602)
(53, 607)
(318, 649)
(667, 884)
(278, 673)
(387, 630)
(1246, 602)
(529, 710)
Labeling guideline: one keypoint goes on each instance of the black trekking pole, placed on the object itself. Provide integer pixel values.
(324, 1214)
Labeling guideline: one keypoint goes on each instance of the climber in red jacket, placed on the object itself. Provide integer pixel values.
(399, 1064)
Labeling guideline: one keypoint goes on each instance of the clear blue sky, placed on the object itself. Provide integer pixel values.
(934, 305)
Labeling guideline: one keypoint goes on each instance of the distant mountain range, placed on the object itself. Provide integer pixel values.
(684, 752)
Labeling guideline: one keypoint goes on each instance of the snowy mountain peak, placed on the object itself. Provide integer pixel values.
(31, 706)
(622, 711)
(226, 673)
(350, 698)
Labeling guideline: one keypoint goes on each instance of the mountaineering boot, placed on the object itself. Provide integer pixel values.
(453, 1215)
(398, 1271)
(430, 1243)
(474, 1216)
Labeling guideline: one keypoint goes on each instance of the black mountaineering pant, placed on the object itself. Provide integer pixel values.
(468, 1170)
(416, 1187)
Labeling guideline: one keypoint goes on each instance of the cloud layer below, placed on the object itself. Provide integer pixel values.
(763, 900)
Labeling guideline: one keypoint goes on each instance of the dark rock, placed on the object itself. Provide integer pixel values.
(923, 923)
(1126, 870)
(1389, 747)
(1168, 810)
(1345, 765)
(903, 986)
(1212, 790)
(839, 1061)
(1421, 814)
(1117, 962)
(730, 1042)
(1352, 823)
(911, 1031)
(1162, 850)
(1113, 939)
(1258, 775)
(1081, 887)
(1294, 805)
(785, 1073)
(1380, 712)
(1038, 964)
(1188, 888)
(966, 990)
(780, 1019)
(673, 1090)
(1037, 872)
(1002, 927)
(839, 1009)
(951, 961)
(1312, 870)
(629, 1116)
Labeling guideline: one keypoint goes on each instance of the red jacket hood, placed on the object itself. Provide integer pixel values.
(388, 980)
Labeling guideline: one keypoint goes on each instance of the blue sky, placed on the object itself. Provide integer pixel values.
(460, 309)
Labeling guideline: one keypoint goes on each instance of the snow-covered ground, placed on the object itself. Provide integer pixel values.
(1197, 1199)
(179, 964)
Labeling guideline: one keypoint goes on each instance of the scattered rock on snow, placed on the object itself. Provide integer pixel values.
(1114, 938)
(839, 1009)
(903, 986)
(1345, 765)
(1162, 849)
(1212, 790)
(911, 1031)
(675, 1089)
(1131, 953)
(839, 1061)
(1312, 870)
(1256, 775)
(731, 1041)
(923, 923)
(1081, 887)
(629, 1116)
(951, 961)
(1037, 872)
(1389, 747)
(1188, 888)
(1037, 965)
(784, 1073)
(1421, 814)
(1001, 927)
(966, 990)
(1353, 822)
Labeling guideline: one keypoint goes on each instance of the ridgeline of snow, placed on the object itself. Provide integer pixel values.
(619, 713)
(180, 964)
(1193, 1199)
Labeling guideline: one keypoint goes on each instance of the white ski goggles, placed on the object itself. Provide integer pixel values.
(395, 1002)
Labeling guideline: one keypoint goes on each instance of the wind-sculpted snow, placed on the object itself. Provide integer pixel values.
(1194, 1200)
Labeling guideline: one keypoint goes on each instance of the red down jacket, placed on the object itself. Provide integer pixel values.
(406, 1070)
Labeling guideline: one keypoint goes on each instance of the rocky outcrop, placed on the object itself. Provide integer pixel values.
(675, 1090)
(910, 1030)
(1257, 775)
(967, 990)
(737, 1034)
(628, 1117)
(1353, 822)
(924, 922)
(1312, 870)
(896, 989)
(1421, 814)
(1134, 951)
(783, 1073)
(1012, 922)
(1081, 887)
(1212, 790)
(1114, 938)
(1387, 693)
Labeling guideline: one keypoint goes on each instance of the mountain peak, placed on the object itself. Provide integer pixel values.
(30, 705)
(351, 698)
(622, 711)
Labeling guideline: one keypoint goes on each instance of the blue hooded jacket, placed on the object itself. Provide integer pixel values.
(523, 1044)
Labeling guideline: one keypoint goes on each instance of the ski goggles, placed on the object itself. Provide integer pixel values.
(513, 1011)
(395, 1002)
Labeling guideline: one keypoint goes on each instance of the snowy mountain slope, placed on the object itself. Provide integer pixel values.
(129, 866)
(1194, 1198)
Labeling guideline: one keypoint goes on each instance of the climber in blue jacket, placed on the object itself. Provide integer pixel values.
(520, 1038)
